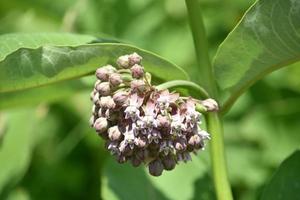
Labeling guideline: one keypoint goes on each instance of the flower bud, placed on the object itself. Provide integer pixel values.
(97, 83)
(138, 86)
(107, 102)
(115, 79)
(156, 167)
(103, 88)
(101, 124)
(169, 163)
(137, 71)
(123, 62)
(114, 133)
(134, 59)
(120, 97)
(210, 104)
(104, 72)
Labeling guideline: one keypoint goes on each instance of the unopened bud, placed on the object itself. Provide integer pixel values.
(156, 167)
(210, 104)
(115, 79)
(101, 124)
(114, 133)
(107, 102)
(134, 59)
(138, 85)
(123, 61)
(137, 71)
(120, 97)
(103, 88)
(104, 72)
(169, 163)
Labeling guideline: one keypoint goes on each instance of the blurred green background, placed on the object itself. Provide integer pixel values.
(48, 151)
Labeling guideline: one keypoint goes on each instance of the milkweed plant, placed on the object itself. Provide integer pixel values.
(145, 109)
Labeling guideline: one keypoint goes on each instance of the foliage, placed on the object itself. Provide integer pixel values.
(47, 150)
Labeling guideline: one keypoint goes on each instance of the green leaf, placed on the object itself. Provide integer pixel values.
(285, 184)
(9, 43)
(19, 139)
(124, 182)
(266, 39)
(27, 67)
(186, 181)
(48, 93)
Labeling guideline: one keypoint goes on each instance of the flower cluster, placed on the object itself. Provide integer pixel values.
(142, 124)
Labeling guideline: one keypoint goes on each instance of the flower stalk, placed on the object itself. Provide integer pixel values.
(213, 120)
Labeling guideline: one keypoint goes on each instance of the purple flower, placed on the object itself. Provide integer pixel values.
(142, 124)
(177, 125)
(132, 111)
(165, 99)
(129, 139)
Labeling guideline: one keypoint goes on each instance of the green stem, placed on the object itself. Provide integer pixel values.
(214, 123)
(201, 46)
(182, 83)
(215, 128)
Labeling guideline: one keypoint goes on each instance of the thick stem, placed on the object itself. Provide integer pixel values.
(201, 46)
(222, 186)
(214, 124)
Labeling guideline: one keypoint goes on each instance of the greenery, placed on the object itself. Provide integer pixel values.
(226, 50)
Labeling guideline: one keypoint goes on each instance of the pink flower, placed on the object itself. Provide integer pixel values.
(132, 111)
(177, 125)
(166, 98)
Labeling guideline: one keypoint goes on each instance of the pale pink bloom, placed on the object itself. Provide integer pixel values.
(166, 98)
(132, 111)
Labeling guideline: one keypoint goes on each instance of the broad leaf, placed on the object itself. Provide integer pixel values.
(19, 140)
(47, 93)
(186, 181)
(285, 184)
(27, 67)
(267, 38)
(9, 43)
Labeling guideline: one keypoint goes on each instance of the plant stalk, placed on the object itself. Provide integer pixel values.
(217, 154)
(213, 120)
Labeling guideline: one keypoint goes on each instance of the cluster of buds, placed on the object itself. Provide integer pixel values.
(142, 124)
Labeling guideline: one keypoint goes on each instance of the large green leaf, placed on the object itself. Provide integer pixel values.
(32, 67)
(19, 140)
(285, 184)
(186, 181)
(267, 38)
(9, 43)
(48, 93)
